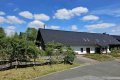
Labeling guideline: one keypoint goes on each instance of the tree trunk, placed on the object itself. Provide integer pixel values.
(16, 64)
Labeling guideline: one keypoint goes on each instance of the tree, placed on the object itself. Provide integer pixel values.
(32, 51)
(4, 48)
(2, 33)
(16, 35)
(22, 35)
(31, 34)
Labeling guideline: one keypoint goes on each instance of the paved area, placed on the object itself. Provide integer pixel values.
(101, 71)
(80, 59)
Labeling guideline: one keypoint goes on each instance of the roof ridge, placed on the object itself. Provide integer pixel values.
(71, 31)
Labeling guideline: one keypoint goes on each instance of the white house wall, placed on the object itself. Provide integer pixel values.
(77, 49)
(108, 50)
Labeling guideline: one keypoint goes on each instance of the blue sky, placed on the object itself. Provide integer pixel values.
(72, 15)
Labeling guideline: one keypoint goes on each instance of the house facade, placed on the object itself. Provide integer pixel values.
(80, 42)
(89, 49)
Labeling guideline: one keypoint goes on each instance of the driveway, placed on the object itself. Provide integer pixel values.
(81, 59)
(109, 70)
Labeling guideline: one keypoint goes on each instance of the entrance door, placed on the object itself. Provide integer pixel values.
(88, 50)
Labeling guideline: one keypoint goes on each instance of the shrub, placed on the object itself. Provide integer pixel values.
(115, 52)
(70, 56)
(57, 52)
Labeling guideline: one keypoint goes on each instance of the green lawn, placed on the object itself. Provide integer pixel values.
(115, 55)
(99, 57)
(29, 73)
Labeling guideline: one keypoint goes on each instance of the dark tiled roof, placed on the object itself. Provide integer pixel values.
(77, 38)
(117, 37)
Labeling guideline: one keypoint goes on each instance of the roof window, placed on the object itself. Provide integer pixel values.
(97, 40)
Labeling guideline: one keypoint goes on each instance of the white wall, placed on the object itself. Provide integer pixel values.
(77, 49)
(92, 49)
(108, 50)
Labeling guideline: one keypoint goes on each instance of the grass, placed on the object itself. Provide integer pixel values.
(99, 57)
(30, 73)
(115, 55)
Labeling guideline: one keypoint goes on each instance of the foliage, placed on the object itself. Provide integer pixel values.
(58, 52)
(17, 49)
(70, 56)
(31, 34)
(99, 57)
(53, 50)
(5, 48)
(2, 33)
(115, 52)
(29, 73)
(22, 35)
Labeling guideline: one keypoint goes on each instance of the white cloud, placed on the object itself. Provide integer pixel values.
(100, 26)
(2, 19)
(55, 27)
(79, 10)
(26, 14)
(2, 13)
(10, 30)
(116, 30)
(90, 18)
(112, 10)
(29, 15)
(36, 24)
(68, 14)
(74, 27)
(14, 20)
(41, 17)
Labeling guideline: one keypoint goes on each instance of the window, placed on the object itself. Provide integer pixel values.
(88, 40)
(81, 49)
(97, 40)
(84, 39)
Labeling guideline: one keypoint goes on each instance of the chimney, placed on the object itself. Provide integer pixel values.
(44, 26)
(104, 33)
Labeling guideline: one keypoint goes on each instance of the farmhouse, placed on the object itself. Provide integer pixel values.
(81, 42)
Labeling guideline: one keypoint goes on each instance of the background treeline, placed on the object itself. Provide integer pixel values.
(21, 48)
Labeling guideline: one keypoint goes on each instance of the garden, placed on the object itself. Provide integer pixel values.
(21, 59)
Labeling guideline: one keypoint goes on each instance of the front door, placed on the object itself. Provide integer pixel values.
(88, 50)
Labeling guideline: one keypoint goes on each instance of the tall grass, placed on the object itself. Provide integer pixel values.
(30, 72)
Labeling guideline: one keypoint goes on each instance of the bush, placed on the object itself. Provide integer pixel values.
(57, 52)
(70, 56)
(115, 52)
